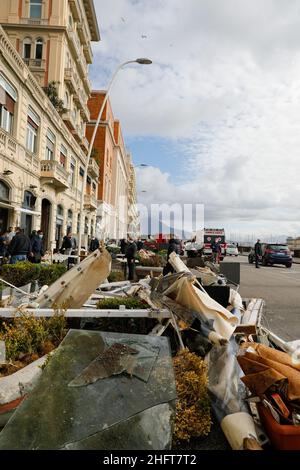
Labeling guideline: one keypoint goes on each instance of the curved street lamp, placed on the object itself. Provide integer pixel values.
(141, 61)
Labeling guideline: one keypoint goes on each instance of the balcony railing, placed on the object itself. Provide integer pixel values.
(54, 173)
(34, 21)
(8, 145)
(75, 43)
(93, 168)
(35, 63)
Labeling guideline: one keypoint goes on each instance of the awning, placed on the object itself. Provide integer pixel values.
(6, 205)
(27, 211)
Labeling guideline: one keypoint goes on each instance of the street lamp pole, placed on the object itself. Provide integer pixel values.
(142, 61)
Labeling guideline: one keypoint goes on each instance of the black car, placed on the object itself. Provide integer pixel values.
(273, 253)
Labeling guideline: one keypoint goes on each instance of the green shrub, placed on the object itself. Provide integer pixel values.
(26, 334)
(113, 249)
(22, 273)
(114, 303)
(50, 273)
(116, 276)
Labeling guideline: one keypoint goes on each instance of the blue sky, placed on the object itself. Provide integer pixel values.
(217, 115)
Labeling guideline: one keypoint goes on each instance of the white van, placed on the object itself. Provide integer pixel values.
(232, 250)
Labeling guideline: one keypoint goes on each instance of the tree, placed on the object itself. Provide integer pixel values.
(51, 92)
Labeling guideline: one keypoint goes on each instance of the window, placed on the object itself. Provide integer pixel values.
(69, 221)
(78, 223)
(27, 49)
(8, 98)
(86, 225)
(39, 49)
(33, 122)
(50, 145)
(4, 191)
(88, 185)
(63, 156)
(81, 171)
(29, 200)
(72, 172)
(35, 9)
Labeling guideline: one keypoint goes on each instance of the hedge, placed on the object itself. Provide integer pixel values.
(24, 272)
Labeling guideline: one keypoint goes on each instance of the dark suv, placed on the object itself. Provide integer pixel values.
(273, 253)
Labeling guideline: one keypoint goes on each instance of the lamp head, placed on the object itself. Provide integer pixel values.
(144, 61)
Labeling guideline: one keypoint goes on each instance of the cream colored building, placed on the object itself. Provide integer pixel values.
(133, 223)
(43, 154)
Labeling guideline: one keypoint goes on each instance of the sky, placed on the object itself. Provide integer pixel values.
(216, 117)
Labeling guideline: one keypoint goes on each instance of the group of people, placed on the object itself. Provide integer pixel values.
(16, 246)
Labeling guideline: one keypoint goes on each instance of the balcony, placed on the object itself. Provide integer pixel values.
(35, 64)
(84, 144)
(90, 202)
(52, 172)
(87, 84)
(8, 145)
(69, 120)
(88, 54)
(72, 79)
(81, 99)
(93, 168)
(77, 50)
(75, 9)
(34, 21)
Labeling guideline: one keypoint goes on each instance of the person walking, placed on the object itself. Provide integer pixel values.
(258, 252)
(130, 253)
(19, 247)
(174, 247)
(216, 251)
(94, 244)
(10, 234)
(68, 244)
(37, 247)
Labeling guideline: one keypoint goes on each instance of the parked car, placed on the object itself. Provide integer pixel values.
(273, 253)
(232, 250)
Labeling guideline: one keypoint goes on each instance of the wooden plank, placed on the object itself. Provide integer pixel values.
(92, 313)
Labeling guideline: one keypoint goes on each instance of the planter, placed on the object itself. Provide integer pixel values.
(15, 387)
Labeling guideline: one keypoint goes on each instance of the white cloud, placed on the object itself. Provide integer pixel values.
(225, 86)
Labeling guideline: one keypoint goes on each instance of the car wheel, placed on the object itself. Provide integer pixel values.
(236, 255)
(250, 259)
(265, 262)
(289, 265)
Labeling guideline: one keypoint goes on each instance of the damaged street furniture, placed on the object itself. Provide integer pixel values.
(75, 286)
(109, 391)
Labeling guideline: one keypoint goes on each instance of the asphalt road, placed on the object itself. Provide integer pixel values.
(280, 288)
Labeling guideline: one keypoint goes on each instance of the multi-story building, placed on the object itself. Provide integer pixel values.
(43, 153)
(133, 215)
(117, 180)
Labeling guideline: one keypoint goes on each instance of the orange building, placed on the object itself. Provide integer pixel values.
(110, 153)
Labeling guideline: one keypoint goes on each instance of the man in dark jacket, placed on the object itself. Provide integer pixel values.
(258, 252)
(130, 253)
(68, 244)
(37, 247)
(94, 244)
(123, 245)
(20, 247)
(174, 247)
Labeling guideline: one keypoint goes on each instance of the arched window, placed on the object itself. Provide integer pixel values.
(39, 48)
(35, 9)
(4, 191)
(27, 49)
(29, 200)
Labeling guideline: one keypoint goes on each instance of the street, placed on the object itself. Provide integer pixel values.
(280, 288)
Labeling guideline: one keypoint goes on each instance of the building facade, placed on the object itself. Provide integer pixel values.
(42, 152)
(117, 177)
